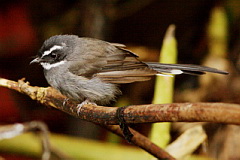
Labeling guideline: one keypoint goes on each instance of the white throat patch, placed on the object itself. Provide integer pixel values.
(48, 66)
(55, 47)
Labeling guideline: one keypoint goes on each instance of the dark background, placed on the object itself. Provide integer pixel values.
(26, 24)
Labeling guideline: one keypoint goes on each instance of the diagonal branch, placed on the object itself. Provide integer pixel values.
(50, 97)
(149, 113)
(181, 112)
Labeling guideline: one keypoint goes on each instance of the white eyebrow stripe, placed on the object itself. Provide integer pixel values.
(55, 47)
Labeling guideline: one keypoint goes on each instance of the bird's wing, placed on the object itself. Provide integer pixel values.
(125, 67)
(112, 63)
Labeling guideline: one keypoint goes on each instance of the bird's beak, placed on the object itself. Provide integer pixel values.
(36, 60)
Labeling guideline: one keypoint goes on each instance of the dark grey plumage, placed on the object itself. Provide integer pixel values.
(90, 69)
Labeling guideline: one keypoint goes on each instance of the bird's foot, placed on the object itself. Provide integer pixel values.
(65, 101)
(79, 106)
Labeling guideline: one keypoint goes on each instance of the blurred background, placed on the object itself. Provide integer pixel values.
(141, 26)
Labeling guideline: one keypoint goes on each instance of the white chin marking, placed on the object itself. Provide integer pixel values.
(176, 71)
(55, 47)
(48, 66)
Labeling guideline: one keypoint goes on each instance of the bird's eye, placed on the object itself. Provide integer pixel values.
(53, 55)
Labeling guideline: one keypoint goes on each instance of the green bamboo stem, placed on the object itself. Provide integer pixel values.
(164, 86)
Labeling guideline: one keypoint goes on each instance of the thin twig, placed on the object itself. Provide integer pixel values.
(10, 131)
(141, 141)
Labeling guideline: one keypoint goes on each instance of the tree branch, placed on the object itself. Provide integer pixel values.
(50, 97)
(105, 116)
(149, 113)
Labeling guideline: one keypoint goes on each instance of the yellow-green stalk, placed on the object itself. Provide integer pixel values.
(218, 32)
(164, 87)
(72, 147)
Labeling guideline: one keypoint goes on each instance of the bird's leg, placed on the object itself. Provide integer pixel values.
(123, 125)
(86, 101)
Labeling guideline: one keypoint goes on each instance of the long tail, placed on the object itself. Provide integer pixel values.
(182, 68)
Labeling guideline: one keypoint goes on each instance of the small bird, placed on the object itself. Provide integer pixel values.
(89, 70)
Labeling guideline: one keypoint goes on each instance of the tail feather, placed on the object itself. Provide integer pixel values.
(183, 68)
